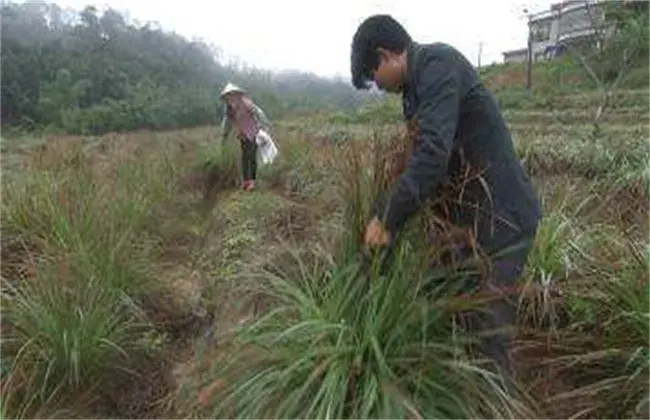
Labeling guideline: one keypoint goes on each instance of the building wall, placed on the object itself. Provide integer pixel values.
(515, 57)
(579, 19)
(561, 24)
(575, 20)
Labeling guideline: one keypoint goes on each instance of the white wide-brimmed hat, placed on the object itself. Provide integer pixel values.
(230, 88)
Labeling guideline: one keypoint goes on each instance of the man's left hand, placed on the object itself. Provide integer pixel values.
(376, 234)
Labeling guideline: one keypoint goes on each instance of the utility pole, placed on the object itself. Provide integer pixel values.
(529, 67)
(480, 52)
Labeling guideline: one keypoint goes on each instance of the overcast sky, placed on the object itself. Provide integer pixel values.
(315, 36)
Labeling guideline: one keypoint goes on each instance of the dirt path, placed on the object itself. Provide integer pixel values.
(204, 277)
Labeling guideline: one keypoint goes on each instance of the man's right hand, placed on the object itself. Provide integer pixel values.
(376, 234)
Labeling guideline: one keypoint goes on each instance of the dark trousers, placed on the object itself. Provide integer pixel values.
(248, 159)
(493, 322)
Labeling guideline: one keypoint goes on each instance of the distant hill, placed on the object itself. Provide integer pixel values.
(91, 72)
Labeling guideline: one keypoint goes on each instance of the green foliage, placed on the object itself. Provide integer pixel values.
(294, 172)
(86, 72)
(75, 275)
(386, 110)
(63, 337)
(618, 46)
(608, 334)
(631, 19)
(89, 242)
(520, 98)
(343, 342)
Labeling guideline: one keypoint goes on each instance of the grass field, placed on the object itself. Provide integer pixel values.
(139, 282)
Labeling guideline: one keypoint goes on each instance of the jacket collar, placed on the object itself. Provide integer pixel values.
(410, 64)
(408, 95)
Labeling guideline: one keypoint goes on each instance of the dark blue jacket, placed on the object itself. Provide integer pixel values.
(460, 126)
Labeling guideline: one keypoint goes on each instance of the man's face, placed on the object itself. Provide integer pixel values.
(389, 73)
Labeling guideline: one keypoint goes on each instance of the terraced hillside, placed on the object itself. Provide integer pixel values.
(139, 282)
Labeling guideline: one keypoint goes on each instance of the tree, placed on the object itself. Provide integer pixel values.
(619, 41)
(93, 71)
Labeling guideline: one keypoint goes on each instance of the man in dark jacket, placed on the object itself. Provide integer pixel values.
(460, 126)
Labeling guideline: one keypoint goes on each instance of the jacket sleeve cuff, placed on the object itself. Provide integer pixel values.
(388, 210)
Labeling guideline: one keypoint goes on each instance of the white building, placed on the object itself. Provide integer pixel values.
(565, 24)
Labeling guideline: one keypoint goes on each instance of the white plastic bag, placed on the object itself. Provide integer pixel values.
(267, 149)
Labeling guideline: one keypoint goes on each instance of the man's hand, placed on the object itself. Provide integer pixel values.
(376, 234)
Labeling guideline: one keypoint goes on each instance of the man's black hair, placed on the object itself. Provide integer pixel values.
(374, 32)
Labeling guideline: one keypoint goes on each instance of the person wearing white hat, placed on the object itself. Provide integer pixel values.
(251, 125)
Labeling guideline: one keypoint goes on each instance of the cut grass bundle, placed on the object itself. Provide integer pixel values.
(364, 171)
(343, 341)
(366, 176)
